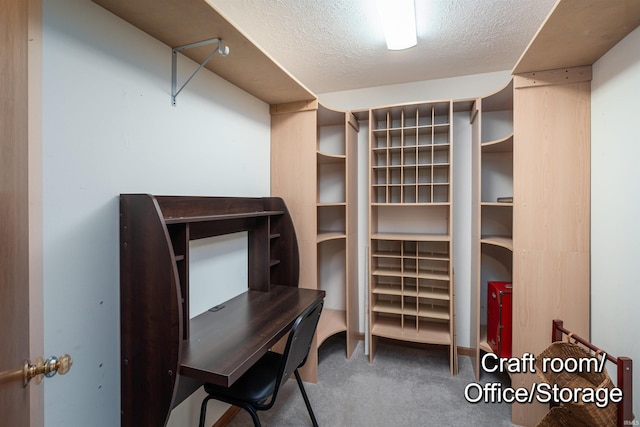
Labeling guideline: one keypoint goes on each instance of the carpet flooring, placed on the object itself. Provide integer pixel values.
(404, 386)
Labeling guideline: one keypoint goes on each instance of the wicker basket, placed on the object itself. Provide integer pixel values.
(559, 416)
(586, 413)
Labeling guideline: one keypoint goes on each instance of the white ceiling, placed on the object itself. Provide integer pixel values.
(334, 45)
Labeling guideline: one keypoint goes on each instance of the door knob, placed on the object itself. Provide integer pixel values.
(46, 368)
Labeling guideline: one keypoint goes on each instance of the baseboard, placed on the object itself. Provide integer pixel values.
(466, 351)
(226, 418)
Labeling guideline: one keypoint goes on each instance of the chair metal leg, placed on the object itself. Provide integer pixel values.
(306, 398)
(254, 415)
(203, 410)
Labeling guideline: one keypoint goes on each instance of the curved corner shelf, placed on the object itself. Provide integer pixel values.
(503, 145)
(503, 242)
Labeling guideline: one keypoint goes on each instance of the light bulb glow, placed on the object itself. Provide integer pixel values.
(399, 23)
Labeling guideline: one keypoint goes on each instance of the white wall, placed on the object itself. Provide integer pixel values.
(615, 204)
(109, 128)
(456, 88)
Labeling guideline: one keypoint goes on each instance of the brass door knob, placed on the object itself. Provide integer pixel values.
(46, 368)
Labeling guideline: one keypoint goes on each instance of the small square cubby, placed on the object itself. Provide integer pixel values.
(395, 175)
(395, 138)
(424, 193)
(379, 175)
(441, 193)
(409, 156)
(433, 250)
(440, 175)
(391, 248)
(425, 156)
(379, 194)
(379, 139)
(409, 137)
(424, 174)
(379, 157)
(395, 156)
(409, 175)
(409, 194)
(441, 156)
(395, 194)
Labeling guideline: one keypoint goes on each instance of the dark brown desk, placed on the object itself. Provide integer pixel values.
(166, 355)
(224, 344)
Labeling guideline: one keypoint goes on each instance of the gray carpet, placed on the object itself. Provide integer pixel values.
(404, 386)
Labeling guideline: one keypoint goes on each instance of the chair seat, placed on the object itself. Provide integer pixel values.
(255, 385)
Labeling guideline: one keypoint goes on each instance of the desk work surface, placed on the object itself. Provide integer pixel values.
(225, 342)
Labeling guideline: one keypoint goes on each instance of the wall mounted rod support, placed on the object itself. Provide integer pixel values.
(220, 48)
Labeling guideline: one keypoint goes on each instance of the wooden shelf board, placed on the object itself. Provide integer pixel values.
(411, 274)
(386, 289)
(418, 237)
(424, 204)
(224, 217)
(396, 290)
(390, 307)
(441, 294)
(429, 333)
(407, 255)
(328, 158)
(330, 204)
(500, 204)
(504, 145)
(181, 22)
(578, 33)
(331, 322)
(423, 311)
(323, 236)
(504, 242)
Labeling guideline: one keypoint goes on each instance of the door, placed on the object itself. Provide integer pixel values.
(20, 214)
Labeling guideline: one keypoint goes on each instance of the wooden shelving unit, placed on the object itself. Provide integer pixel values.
(314, 166)
(492, 229)
(411, 296)
(337, 224)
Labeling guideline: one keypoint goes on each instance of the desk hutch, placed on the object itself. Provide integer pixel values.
(166, 355)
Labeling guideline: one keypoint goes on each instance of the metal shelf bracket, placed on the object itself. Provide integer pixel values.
(220, 49)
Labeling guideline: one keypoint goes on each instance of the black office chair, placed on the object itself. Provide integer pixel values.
(263, 379)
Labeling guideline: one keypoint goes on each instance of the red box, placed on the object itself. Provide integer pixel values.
(499, 303)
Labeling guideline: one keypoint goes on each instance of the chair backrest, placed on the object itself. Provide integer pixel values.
(299, 342)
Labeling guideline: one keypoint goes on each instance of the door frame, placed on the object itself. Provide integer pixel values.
(22, 126)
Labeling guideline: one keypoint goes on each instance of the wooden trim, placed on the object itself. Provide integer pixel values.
(35, 197)
(466, 351)
(553, 77)
(353, 122)
(292, 107)
(227, 417)
(475, 109)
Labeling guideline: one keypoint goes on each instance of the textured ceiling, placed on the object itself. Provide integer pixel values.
(334, 45)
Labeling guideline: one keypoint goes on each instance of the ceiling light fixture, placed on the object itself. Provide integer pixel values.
(399, 23)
